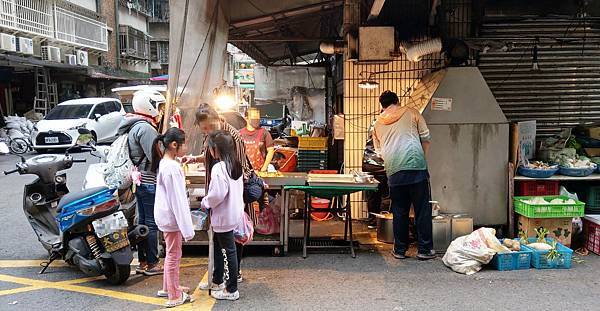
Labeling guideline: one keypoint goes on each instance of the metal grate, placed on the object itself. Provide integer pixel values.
(134, 43)
(33, 16)
(564, 92)
(361, 106)
(77, 29)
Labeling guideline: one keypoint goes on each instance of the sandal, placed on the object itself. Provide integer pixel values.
(164, 294)
(184, 298)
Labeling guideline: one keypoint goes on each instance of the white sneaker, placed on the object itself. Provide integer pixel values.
(224, 295)
(213, 286)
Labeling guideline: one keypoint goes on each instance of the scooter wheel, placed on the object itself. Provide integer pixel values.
(118, 274)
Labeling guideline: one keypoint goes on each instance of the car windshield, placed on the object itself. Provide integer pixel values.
(64, 112)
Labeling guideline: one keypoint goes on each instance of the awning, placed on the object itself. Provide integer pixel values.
(17, 61)
(99, 75)
(160, 78)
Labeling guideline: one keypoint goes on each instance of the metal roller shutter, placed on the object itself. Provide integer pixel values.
(565, 91)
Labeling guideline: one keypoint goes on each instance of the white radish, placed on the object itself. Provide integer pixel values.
(540, 246)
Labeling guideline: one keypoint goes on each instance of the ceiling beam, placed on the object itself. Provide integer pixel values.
(233, 29)
(281, 39)
(376, 9)
(287, 13)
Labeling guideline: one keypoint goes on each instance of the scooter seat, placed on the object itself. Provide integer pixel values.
(74, 196)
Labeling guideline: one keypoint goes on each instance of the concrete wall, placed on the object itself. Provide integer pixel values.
(88, 4)
(135, 19)
(159, 31)
(188, 35)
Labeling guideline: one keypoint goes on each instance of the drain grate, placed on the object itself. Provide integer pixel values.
(295, 244)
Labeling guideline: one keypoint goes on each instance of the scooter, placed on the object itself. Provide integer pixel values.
(87, 228)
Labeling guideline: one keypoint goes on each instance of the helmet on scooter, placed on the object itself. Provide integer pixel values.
(147, 102)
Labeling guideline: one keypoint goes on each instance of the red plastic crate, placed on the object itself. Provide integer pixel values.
(592, 240)
(538, 188)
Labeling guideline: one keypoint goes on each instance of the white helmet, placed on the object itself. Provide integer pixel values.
(147, 102)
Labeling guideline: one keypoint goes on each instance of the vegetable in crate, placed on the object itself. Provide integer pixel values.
(540, 246)
(512, 245)
(553, 253)
(522, 236)
(541, 233)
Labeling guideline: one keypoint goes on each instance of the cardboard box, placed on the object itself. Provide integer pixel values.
(594, 132)
(560, 229)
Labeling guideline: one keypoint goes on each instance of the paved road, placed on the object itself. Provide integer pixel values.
(374, 280)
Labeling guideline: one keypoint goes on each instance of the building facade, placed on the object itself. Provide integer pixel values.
(54, 50)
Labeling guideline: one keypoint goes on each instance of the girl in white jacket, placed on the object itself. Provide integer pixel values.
(172, 212)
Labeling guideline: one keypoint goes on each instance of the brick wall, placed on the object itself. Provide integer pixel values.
(107, 9)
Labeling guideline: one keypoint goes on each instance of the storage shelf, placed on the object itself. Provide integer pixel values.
(560, 177)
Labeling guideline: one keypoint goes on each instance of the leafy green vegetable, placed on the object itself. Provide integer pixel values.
(553, 254)
(541, 233)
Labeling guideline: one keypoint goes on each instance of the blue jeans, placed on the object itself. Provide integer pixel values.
(148, 248)
(419, 195)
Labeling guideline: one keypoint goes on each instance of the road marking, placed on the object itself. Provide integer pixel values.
(29, 263)
(19, 290)
(202, 301)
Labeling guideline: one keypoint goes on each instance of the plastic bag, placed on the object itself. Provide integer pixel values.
(244, 233)
(467, 254)
(268, 220)
(565, 193)
(372, 161)
(200, 220)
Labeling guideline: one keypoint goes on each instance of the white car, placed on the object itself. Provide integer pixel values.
(58, 130)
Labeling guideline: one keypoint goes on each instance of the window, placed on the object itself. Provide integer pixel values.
(118, 106)
(100, 109)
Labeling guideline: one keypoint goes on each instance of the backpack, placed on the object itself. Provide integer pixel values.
(117, 173)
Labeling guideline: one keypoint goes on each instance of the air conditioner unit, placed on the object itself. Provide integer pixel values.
(51, 53)
(71, 59)
(8, 42)
(25, 45)
(82, 58)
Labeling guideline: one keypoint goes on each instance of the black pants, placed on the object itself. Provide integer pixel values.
(226, 261)
(375, 198)
(418, 195)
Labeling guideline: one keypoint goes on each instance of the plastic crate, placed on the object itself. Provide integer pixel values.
(593, 197)
(539, 187)
(312, 143)
(540, 261)
(548, 210)
(591, 227)
(512, 261)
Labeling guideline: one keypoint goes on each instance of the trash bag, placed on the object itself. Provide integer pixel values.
(269, 219)
(200, 220)
(467, 254)
(4, 148)
(244, 233)
(372, 162)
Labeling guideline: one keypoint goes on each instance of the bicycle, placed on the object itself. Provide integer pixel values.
(18, 145)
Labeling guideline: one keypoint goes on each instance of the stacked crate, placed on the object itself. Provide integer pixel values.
(312, 153)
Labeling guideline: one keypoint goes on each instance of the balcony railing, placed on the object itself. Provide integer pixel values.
(134, 43)
(159, 52)
(159, 11)
(57, 20)
(80, 30)
(33, 16)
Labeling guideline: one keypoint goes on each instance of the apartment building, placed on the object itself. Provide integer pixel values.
(54, 50)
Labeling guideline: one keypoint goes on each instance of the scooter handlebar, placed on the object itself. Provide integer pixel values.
(79, 160)
(11, 172)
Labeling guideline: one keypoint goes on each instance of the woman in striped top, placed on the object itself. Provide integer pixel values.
(209, 121)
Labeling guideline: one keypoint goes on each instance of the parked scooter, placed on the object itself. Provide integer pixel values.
(87, 228)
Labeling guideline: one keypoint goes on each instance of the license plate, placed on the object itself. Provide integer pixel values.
(51, 140)
(110, 224)
(115, 240)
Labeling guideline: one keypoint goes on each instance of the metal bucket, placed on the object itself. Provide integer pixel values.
(385, 228)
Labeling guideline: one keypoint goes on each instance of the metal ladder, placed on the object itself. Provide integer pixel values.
(46, 96)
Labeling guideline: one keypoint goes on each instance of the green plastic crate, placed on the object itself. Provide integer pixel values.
(549, 210)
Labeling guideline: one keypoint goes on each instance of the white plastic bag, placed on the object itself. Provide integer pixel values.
(467, 254)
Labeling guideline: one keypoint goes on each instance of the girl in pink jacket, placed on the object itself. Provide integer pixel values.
(172, 211)
(225, 199)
